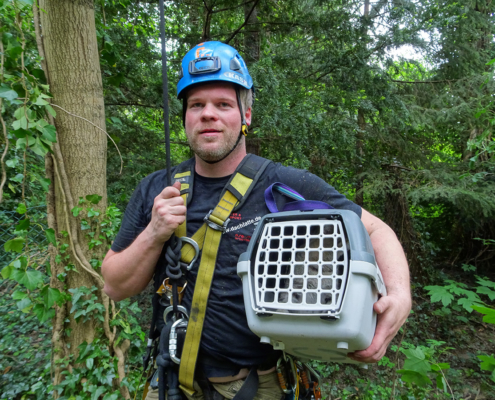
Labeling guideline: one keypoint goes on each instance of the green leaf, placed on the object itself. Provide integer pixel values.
(19, 295)
(18, 178)
(488, 312)
(485, 282)
(484, 290)
(31, 279)
(440, 293)
(51, 111)
(50, 133)
(111, 396)
(90, 362)
(76, 211)
(44, 182)
(442, 383)
(488, 363)
(7, 93)
(15, 245)
(21, 208)
(23, 225)
(24, 303)
(98, 392)
(93, 198)
(440, 366)
(7, 271)
(12, 163)
(50, 235)
(416, 361)
(41, 102)
(93, 213)
(414, 377)
(43, 313)
(53, 296)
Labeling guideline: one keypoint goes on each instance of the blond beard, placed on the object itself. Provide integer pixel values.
(216, 154)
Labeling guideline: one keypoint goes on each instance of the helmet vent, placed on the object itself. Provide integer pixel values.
(235, 65)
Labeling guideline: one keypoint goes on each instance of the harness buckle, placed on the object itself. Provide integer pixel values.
(214, 225)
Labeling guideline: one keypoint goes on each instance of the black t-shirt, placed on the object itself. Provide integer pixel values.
(226, 335)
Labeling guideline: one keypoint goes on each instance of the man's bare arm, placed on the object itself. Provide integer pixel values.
(128, 272)
(394, 308)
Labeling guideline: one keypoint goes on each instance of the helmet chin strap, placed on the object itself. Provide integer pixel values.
(243, 131)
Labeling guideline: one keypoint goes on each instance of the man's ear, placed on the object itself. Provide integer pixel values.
(247, 116)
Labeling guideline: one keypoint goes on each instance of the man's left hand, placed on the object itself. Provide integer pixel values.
(392, 311)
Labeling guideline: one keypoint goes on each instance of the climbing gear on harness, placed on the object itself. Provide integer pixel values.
(215, 62)
(314, 273)
(207, 238)
(234, 193)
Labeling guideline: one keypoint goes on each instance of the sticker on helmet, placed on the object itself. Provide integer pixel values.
(232, 75)
(203, 52)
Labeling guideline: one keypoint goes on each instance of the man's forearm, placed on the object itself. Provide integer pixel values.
(389, 256)
(128, 272)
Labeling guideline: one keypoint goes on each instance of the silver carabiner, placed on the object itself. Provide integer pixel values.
(172, 339)
(169, 309)
(196, 254)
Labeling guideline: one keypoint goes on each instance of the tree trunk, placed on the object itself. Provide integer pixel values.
(77, 168)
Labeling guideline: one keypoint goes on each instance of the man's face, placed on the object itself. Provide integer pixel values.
(213, 120)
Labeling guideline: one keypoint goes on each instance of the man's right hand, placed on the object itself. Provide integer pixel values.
(128, 272)
(168, 213)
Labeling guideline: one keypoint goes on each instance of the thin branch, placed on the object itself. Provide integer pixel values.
(206, 6)
(96, 126)
(444, 81)
(243, 24)
(134, 104)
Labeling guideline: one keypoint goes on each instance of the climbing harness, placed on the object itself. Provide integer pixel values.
(183, 331)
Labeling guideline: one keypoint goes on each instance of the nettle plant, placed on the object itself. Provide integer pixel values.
(95, 368)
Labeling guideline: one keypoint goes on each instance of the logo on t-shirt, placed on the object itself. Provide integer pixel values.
(242, 225)
(235, 216)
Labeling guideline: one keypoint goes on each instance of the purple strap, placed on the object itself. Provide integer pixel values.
(299, 205)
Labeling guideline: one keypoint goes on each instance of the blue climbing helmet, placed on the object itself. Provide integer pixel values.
(210, 62)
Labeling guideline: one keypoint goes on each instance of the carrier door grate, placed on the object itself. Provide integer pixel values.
(301, 267)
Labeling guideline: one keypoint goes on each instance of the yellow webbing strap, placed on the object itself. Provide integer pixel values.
(182, 228)
(210, 245)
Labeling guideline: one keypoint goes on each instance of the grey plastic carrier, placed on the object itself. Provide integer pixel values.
(310, 281)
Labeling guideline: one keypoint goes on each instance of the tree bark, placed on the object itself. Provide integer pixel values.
(78, 166)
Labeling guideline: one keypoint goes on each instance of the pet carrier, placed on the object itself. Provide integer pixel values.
(310, 280)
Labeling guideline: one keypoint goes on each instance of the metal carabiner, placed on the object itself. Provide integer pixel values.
(170, 309)
(294, 372)
(196, 254)
(281, 376)
(172, 339)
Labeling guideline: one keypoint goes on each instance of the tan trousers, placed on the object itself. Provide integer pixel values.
(268, 389)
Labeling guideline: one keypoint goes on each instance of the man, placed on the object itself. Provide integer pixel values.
(217, 93)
